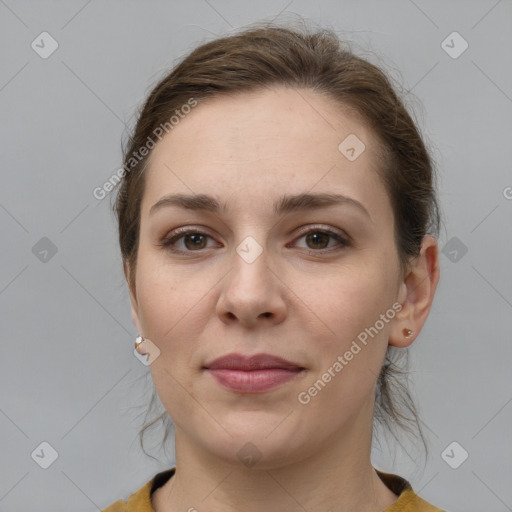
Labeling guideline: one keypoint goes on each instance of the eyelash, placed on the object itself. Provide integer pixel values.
(168, 242)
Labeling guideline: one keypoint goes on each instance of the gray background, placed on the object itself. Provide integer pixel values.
(68, 374)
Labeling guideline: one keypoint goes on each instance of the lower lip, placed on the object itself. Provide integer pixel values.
(254, 381)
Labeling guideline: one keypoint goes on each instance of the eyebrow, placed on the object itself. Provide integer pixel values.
(285, 204)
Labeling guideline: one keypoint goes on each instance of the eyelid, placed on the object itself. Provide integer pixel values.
(327, 229)
(178, 233)
(343, 239)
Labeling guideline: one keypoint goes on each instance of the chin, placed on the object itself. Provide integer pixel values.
(257, 446)
(257, 455)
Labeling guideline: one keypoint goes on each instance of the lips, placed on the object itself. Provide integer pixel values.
(252, 374)
(249, 363)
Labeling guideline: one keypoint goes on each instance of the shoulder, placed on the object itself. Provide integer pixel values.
(140, 501)
(408, 500)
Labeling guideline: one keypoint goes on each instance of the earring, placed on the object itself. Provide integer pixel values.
(138, 342)
(407, 333)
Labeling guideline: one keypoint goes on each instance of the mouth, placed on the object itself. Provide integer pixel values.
(252, 374)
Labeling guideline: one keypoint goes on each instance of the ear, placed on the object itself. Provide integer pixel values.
(416, 293)
(133, 299)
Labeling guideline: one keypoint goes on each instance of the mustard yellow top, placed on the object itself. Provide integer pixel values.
(408, 500)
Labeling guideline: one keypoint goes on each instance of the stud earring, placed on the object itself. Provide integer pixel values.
(407, 333)
(138, 342)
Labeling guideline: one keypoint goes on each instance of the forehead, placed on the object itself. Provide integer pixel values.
(252, 147)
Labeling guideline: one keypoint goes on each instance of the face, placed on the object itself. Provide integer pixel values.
(264, 274)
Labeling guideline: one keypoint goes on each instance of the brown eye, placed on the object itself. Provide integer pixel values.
(192, 241)
(317, 240)
(197, 241)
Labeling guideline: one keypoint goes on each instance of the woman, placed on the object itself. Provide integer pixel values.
(277, 222)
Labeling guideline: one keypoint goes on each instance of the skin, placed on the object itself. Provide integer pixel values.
(292, 301)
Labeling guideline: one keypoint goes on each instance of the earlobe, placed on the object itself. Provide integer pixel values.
(416, 294)
(133, 299)
(135, 320)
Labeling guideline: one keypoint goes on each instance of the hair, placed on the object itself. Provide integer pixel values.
(268, 55)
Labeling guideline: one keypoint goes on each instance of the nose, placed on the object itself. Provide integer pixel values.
(252, 293)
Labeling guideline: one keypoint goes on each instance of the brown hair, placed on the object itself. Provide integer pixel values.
(268, 55)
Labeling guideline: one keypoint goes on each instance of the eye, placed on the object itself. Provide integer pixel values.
(318, 240)
(193, 240)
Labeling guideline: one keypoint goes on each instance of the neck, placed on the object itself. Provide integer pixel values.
(338, 476)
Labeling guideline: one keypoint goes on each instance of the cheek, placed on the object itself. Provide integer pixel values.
(352, 305)
(351, 298)
(169, 304)
(350, 358)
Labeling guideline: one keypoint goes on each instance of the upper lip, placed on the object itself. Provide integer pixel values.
(254, 362)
